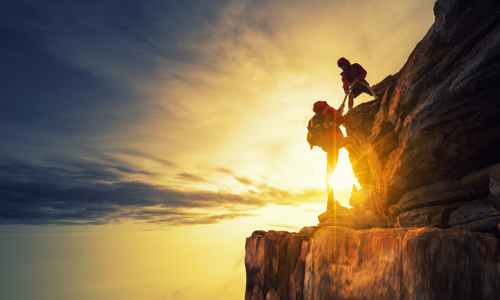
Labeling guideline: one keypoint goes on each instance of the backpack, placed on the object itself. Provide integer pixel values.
(358, 72)
(316, 130)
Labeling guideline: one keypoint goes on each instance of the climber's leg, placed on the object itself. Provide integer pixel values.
(350, 104)
(331, 159)
(355, 93)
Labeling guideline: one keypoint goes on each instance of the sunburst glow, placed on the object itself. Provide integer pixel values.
(343, 177)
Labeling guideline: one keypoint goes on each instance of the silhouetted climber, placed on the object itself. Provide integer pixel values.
(350, 74)
(324, 131)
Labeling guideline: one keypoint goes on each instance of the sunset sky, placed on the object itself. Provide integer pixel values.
(141, 142)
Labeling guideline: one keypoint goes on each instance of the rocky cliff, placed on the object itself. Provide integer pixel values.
(337, 262)
(433, 135)
(425, 224)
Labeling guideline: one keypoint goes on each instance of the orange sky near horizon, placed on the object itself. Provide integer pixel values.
(231, 123)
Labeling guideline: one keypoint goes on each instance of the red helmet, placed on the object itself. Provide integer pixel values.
(319, 105)
(343, 61)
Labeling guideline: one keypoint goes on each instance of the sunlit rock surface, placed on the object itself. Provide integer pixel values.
(426, 263)
(343, 263)
(274, 265)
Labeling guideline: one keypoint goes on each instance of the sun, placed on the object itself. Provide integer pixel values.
(343, 177)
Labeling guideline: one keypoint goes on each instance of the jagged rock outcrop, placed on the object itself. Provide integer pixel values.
(435, 129)
(343, 263)
(423, 217)
(430, 178)
(360, 217)
(475, 216)
(274, 265)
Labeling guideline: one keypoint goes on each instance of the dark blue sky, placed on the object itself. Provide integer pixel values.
(65, 84)
(66, 66)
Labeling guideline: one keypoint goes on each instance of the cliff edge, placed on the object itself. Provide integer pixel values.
(425, 224)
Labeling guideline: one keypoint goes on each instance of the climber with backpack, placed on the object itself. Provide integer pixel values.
(353, 77)
(324, 132)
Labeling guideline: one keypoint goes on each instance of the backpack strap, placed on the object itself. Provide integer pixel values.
(312, 125)
(347, 75)
(358, 72)
(357, 69)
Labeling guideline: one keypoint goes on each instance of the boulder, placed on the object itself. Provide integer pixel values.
(431, 216)
(475, 216)
(481, 225)
(347, 222)
(439, 193)
(367, 218)
(309, 231)
(341, 212)
(338, 216)
(494, 183)
(477, 183)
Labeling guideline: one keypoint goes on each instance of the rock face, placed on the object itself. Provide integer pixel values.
(435, 129)
(274, 265)
(343, 263)
(422, 217)
(475, 216)
(430, 177)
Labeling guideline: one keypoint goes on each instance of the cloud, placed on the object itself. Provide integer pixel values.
(178, 218)
(244, 180)
(191, 177)
(241, 179)
(225, 171)
(142, 154)
(80, 192)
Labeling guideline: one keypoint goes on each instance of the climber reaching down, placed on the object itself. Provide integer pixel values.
(349, 75)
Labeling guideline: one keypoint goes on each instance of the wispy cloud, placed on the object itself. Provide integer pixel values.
(78, 192)
(142, 154)
(244, 180)
(191, 177)
(225, 171)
